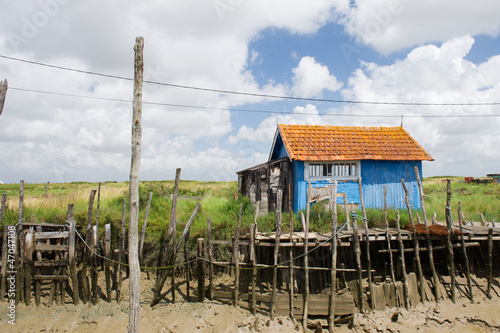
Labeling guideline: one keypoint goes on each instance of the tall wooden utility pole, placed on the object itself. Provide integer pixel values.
(133, 227)
(3, 92)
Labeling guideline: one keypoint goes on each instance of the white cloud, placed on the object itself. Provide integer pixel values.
(264, 133)
(311, 78)
(395, 24)
(431, 74)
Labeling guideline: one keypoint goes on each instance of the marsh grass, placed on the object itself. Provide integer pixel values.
(220, 203)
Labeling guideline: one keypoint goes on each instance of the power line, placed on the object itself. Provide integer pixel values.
(248, 110)
(222, 91)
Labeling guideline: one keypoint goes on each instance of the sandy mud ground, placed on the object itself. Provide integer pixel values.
(212, 316)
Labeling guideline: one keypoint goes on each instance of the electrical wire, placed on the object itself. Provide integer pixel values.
(251, 110)
(222, 91)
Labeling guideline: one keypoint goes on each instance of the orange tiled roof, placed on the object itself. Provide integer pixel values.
(331, 143)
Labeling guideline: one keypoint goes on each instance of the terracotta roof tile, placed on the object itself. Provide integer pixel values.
(330, 143)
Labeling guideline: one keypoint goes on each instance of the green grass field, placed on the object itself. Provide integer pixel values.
(220, 203)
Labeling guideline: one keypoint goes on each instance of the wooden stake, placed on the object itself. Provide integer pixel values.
(415, 244)
(306, 258)
(171, 259)
(98, 208)
(121, 250)
(38, 285)
(389, 247)
(291, 253)
(279, 196)
(449, 223)
(93, 269)
(333, 272)
(490, 260)
(357, 253)
(236, 259)
(172, 229)
(368, 260)
(3, 92)
(483, 221)
(406, 295)
(3, 270)
(71, 254)
(143, 233)
(254, 268)
(430, 251)
(464, 252)
(201, 271)
(86, 253)
(28, 254)
(188, 266)
(107, 263)
(210, 263)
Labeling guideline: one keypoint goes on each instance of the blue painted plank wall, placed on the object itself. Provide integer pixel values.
(374, 175)
(377, 173)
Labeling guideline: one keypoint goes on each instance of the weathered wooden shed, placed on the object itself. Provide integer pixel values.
(322, 154)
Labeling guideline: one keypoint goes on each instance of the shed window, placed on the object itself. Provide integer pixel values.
(333, 170)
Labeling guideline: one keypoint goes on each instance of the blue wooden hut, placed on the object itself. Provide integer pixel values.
(322, 154)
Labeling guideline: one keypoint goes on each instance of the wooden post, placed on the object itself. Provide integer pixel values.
(368, 260)
(93, 269)
(3, 92)
(490, 260)
(389, 247)
(188, 266)
(361, 197)
(406, 295)
(97, 208)
(86, 252)
(20, 245)
(483, 221)
(47, 189)
(28, 255)
(449, 223)
(464, 252)
(430, 250)
(333, 272)
(172, 227)
(201, 271)
(236, 259)
(254, 268)
(71, 254)
(357, 253)
(171, 259)
(306, 258)
(143, 233)
(133, 239)
(38, 285)
(210, 259)
(4, 253)
(344, 197)
(121, 250)
(279, 197)
(291, 252)
(415, 244)
(107, 264)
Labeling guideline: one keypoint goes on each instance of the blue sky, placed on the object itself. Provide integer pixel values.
(396, 51)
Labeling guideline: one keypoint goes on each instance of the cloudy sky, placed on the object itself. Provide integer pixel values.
(437, 64)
